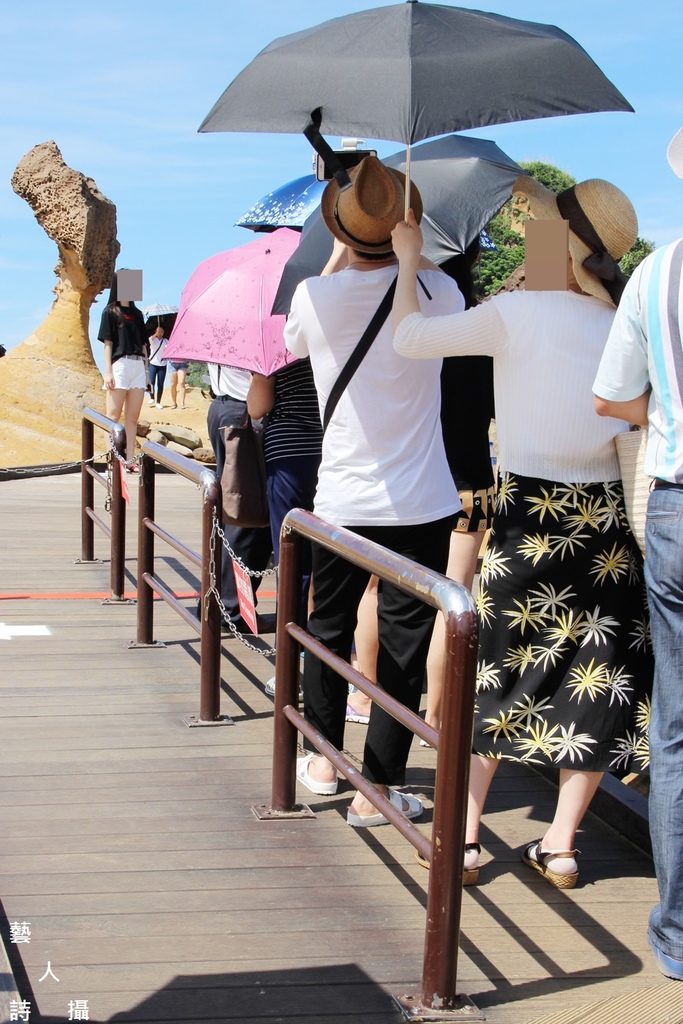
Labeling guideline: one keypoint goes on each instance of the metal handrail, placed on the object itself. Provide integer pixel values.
(209, 561)
(438, 999)
(89, 518)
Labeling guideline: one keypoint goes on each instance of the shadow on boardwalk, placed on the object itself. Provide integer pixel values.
(128, 845)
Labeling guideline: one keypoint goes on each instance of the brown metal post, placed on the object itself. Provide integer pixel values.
(450, 811)
(286, 671)
(118, 516)
(210, 643)
(146, 503)
(87, 492)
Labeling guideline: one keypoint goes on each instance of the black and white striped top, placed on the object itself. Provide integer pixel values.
(294, 428)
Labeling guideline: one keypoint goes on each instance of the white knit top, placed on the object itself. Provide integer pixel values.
(546, 347)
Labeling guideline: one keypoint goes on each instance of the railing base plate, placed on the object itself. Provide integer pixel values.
(265, 813)
(118, 600)
(88, 561)
(193, 721)
(134, 644)
(412, 1009)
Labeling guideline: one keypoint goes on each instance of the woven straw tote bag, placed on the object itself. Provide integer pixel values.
(631, 445)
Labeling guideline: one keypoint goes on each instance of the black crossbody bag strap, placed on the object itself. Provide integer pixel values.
(359, 353)
(361, 350)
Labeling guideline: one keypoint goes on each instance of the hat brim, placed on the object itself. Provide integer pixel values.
(543, 203)
(674, 154)
(328, 205)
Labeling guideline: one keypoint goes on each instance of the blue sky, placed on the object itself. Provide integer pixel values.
(122, 89)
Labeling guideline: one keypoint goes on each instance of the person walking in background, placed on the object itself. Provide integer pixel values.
(253, 546)
(640, 380)
(178, 385)
(383, 475)
(565, 669)
(126, 350)
(157, 366)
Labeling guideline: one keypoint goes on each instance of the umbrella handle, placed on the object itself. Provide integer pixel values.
(407, 189)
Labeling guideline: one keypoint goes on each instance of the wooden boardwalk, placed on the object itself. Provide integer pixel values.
(128, 845)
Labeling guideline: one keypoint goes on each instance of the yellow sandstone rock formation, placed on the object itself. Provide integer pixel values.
(47, 380)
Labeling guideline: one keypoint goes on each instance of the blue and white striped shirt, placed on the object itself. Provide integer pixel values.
(645, 349)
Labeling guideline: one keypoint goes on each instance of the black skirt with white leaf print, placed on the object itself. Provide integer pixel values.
(565, 663)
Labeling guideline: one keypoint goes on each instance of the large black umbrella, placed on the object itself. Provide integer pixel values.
(463, 183)
(412, 71)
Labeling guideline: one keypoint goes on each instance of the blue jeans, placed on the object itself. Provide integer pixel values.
(157, 376)
(664, 578)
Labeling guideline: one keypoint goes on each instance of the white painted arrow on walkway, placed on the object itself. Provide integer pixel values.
(7, 632)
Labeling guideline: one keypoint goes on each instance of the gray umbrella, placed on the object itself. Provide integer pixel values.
(412, 71)
(463, 183)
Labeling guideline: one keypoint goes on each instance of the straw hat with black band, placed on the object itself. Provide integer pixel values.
(602, 227)
(674, 154)
(364, 214)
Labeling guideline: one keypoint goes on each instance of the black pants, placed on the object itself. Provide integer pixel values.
(253, 546)
(405, 629)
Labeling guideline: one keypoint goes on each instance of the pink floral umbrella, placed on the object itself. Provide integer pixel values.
(224, 314)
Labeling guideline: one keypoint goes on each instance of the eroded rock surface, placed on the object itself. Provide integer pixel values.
(48, 379)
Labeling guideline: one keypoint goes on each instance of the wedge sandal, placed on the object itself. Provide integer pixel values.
(539, 862)
(470, 876)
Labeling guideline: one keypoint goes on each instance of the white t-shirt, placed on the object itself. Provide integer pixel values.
(546, 347)
(383, 459)
(228, 380)
(157, 348)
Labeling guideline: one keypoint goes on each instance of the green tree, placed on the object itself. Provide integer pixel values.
(549, 175)
(495, 266)
(636, 254)
(195, 374)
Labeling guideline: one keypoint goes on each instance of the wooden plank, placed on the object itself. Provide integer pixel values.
(128, 842)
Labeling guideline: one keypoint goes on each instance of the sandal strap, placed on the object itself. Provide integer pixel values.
(543, 856)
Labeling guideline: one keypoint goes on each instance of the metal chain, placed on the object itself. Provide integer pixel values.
(235, 557)
(213, 589)
(47, 470)
(108, 482)
(128, 463)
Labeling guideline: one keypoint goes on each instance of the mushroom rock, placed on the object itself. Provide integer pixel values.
(49, 378)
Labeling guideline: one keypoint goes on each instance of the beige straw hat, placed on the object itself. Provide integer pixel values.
(674, 153)
(364, 215)
(594, 206)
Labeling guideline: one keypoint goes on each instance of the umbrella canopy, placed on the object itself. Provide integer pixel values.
(158, 315)
(156, 309)
(463, 183)
(428, 68)
(224, 314)
(287, 207)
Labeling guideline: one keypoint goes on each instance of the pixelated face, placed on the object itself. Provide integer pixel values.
(547, 255)
(129, 285)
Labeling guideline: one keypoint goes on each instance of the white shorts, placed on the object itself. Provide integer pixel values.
(129, 372)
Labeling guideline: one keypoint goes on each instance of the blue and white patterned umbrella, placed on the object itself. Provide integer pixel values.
(156, 309)
(285, 207)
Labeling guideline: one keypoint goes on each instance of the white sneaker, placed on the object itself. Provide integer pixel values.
(151, 401)
(159, 405)
(269, 688)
